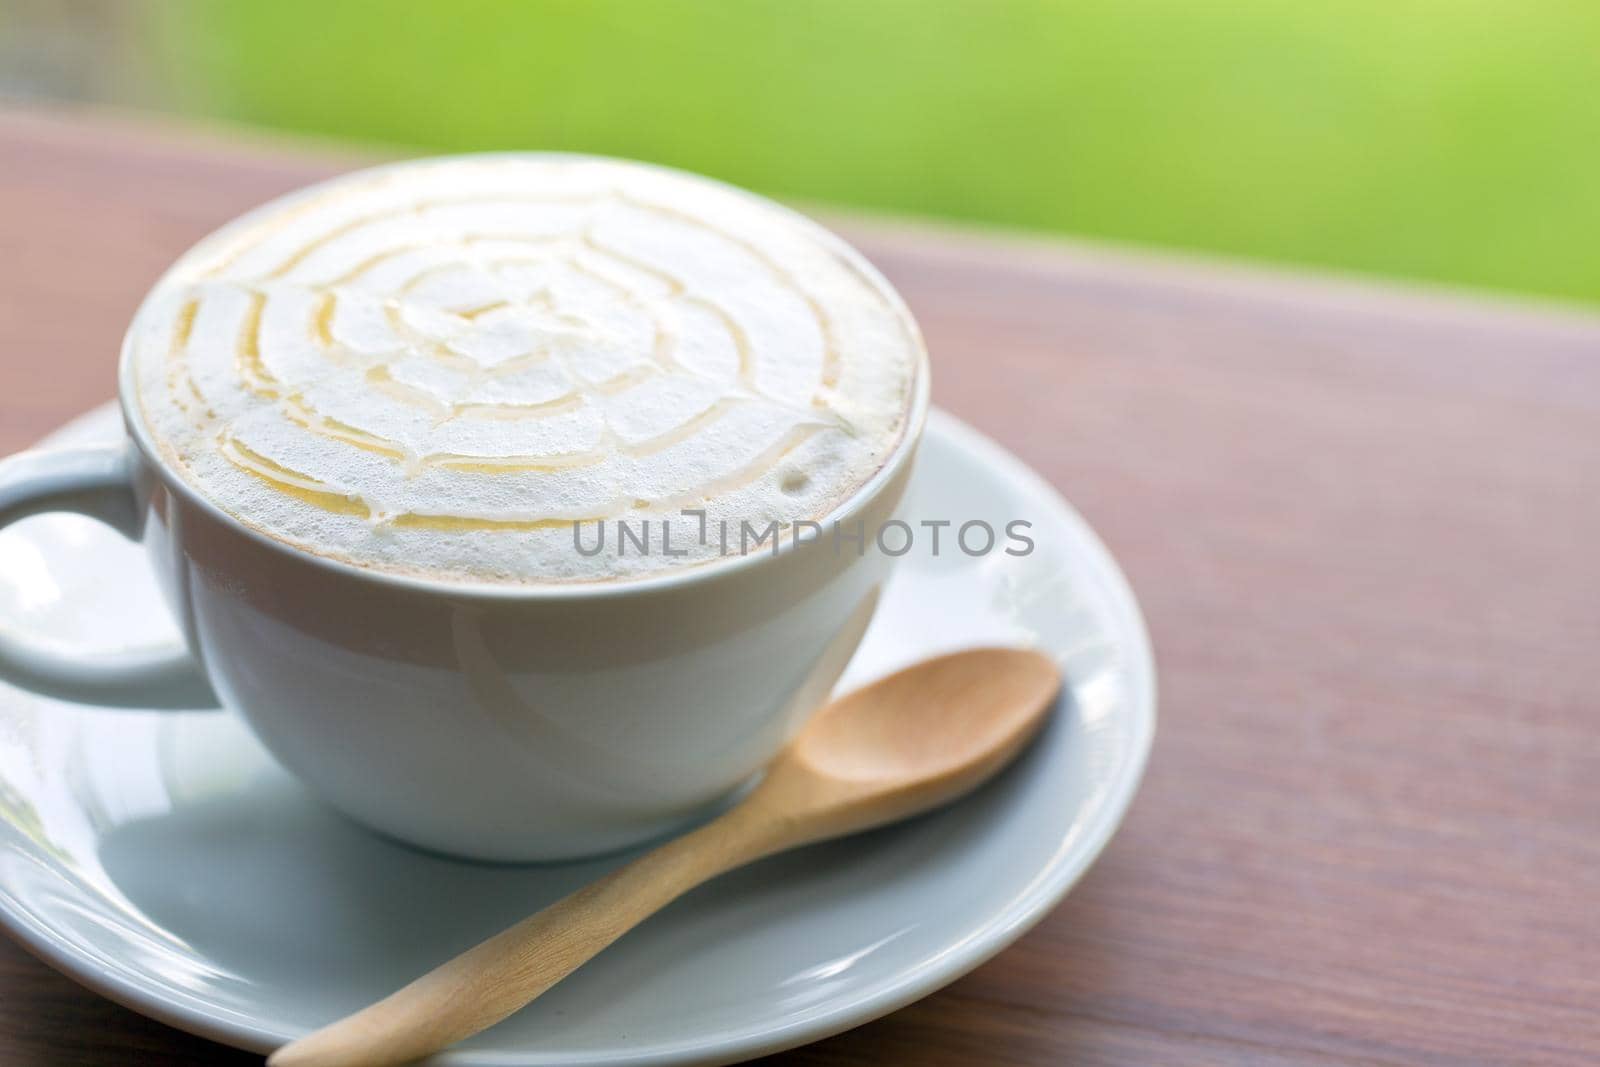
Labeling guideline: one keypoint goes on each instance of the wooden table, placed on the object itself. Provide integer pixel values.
(1364, 524)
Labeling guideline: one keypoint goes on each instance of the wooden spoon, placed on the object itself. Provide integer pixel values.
(905, 744)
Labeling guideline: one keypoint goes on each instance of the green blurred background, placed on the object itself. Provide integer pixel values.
(1449, 140)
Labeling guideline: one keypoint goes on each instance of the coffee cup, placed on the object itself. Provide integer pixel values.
(503, 719)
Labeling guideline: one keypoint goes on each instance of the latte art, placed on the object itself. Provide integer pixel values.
(440, 367)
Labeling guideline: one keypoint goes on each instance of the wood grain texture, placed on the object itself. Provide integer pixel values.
(1365, 528)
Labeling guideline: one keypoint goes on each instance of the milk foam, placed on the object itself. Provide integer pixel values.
(439, 367)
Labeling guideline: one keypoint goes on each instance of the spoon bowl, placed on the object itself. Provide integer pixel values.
(906, 744)
(917, 738)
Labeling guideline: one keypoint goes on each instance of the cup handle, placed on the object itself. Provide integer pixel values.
(97, 482)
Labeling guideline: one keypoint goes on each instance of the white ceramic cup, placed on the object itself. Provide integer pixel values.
(508, 722)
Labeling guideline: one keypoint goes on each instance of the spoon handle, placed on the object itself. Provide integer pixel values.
(495, 978)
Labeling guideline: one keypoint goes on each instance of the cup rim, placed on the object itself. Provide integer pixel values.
(660, 581)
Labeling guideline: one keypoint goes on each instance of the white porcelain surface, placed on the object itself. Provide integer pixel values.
(497, 721)
(163, 859)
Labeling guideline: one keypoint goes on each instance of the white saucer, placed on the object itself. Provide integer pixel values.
(161, 859)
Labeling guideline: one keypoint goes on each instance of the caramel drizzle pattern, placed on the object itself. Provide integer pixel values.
(830, 371)
(328, 497)
(179, 381)
(320, 494)
(256, 377)
(830, 348)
